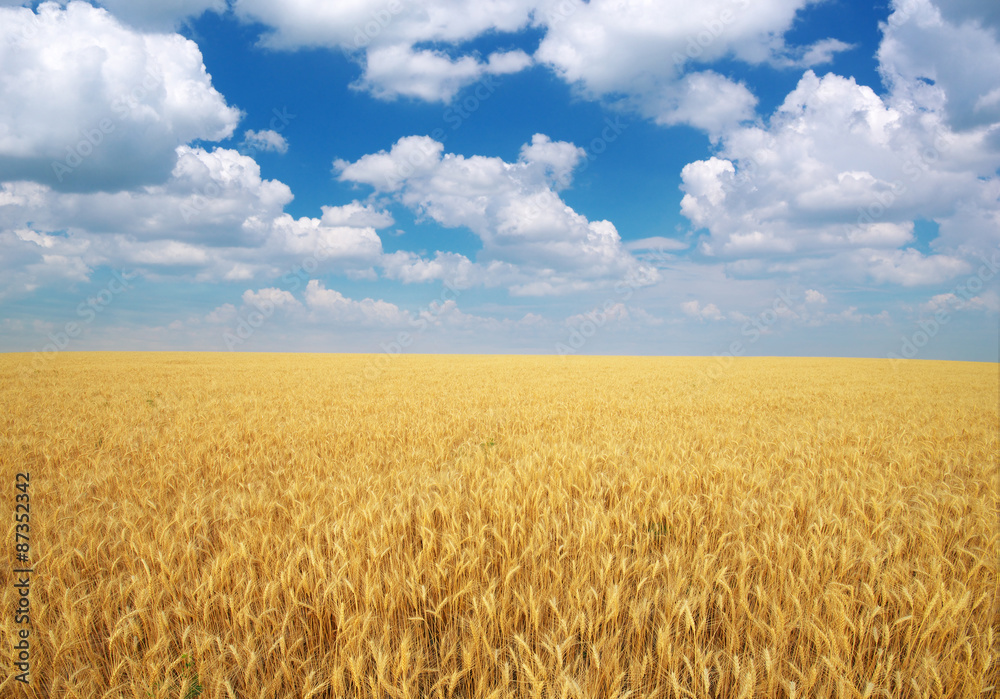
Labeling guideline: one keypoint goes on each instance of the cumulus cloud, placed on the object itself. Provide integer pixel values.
(214, 218)
(708, 101)
(89, 104)
(207, 198)
(652, 53)
(602, 45)
(307, 236)
(837, 168)
(399, 70)
(514, 209)
(842, 173)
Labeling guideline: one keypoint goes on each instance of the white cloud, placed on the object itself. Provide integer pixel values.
(910, 267)
(88, 104)
(513, 208)
(642, 50)
(707, 101)
(222, 314)
(307, 236)
(356, 214)
(988, 301)
(265, 140)
(817, 54)
(925, 58)
(705, 186)
(330, 304)
(813, 296)
(610, 312)
(356, 25)
(604, 44)
(401, 71)
(270, 298)
(504, 62)
(696, 310)
(456, 270)
(383, 36)
(164, 253)
(551, 161)
(206, 199)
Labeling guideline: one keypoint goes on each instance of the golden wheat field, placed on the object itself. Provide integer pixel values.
(241, 525)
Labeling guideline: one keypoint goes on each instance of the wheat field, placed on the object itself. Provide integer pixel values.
(246, 525)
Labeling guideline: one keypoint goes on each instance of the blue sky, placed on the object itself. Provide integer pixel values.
(776, 177)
